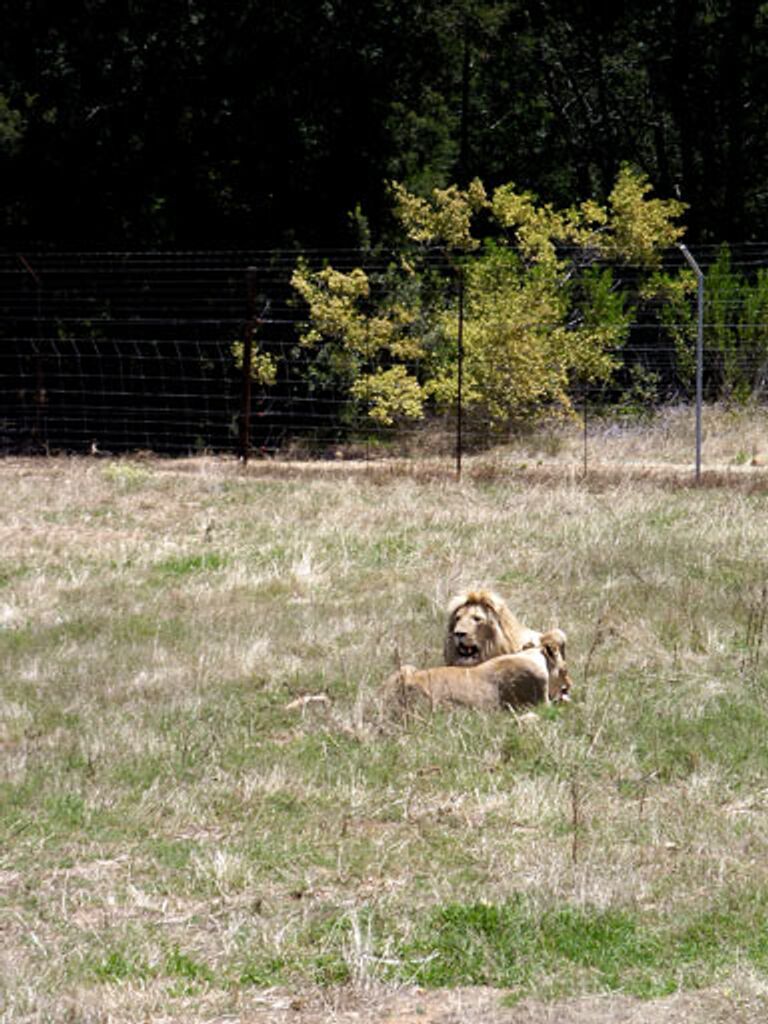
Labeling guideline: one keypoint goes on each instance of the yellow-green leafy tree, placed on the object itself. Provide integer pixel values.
(542, 308)
(367, 345)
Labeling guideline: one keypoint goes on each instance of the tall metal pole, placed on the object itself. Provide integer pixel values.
(460, 375)
(699, 352)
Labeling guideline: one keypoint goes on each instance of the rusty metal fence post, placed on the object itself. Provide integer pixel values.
(460, 374)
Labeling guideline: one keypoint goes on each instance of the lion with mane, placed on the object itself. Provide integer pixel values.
(480, 627)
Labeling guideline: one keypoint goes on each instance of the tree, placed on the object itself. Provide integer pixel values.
(264, 124)
(541, 308)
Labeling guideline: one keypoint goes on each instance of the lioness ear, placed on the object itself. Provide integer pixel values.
(554, 638)
(551, 650)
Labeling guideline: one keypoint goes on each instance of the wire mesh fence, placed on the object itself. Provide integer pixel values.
(121, 351)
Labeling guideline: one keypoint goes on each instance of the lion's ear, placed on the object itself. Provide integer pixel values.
(551, 650)
(554, 638)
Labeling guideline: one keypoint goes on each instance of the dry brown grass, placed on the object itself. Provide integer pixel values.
(172, 833)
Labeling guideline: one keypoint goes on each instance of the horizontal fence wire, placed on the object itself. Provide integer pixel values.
(126, 351)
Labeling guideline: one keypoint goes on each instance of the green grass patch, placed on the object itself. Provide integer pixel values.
(119, 965)
(191, 975)
(189, 565)
(135, 960)
(511, 945)
(565, 950)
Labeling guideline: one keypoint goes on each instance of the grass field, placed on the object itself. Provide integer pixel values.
(177, 844)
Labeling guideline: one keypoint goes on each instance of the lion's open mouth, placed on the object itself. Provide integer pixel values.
(468, 654)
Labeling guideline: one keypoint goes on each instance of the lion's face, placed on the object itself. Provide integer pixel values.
(481, 626)
(471, 632)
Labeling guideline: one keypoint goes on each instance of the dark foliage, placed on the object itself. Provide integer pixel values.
(132, 123)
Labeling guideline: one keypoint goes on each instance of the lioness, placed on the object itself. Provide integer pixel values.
(481, 626)
(533, 676)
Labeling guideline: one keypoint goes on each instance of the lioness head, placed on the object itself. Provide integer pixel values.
(560, 682)
(481, 626)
